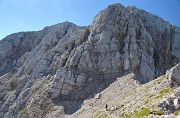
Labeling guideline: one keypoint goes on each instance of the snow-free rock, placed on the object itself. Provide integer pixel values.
(65, 64)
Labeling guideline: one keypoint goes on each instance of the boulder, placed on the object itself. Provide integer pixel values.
(174, 74)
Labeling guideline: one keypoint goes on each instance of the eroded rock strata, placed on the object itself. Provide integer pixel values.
(65, 64)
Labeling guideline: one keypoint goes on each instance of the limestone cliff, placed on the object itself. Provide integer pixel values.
(65, 64)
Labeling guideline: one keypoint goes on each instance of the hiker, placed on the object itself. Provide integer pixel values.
(106, 107)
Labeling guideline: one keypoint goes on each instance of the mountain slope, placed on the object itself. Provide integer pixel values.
(61, 66)
(127, 98)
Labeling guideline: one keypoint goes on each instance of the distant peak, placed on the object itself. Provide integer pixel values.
(116, 4)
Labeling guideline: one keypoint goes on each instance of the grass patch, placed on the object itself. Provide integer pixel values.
(139, 114)
(150, 96)
(121, 106)
(158, 113)
(143, 112)
(160, 78)
(100, 114)
(163, 92)
(24, 111)
(146, 102)
(176, 113)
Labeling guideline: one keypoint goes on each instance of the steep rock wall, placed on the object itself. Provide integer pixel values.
(119, 40)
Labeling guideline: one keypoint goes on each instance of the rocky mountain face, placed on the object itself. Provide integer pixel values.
(52, 72)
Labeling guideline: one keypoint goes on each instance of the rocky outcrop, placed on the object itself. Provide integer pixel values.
(165, 37)
(13, 47)
(173, 75)
(120, 41)
(73, 63)
(171, 103)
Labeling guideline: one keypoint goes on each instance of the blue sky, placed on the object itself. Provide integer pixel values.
(33, 15)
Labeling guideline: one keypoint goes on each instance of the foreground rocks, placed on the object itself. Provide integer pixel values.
(155, 99)
(173, 74)
(55, 70)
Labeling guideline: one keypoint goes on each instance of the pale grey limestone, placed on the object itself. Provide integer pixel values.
(174, 75)
(69, 57)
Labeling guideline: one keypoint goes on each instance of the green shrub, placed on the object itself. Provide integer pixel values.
(176, 113)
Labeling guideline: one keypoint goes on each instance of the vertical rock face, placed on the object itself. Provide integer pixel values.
(69, 57)
(13, 47)
(165, 37)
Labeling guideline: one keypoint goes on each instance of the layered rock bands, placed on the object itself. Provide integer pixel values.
(118, 41)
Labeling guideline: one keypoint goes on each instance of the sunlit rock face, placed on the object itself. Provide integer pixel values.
(66, 57)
